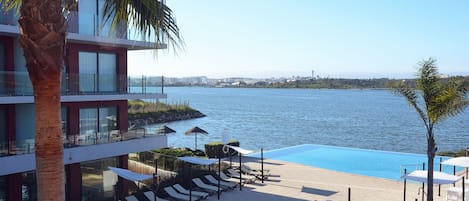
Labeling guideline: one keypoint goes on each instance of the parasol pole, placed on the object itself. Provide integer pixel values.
(219, 172)
(240, 173)
(262, 164)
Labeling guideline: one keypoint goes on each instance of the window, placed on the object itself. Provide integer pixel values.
(29, 186)
(97, 72)
(97, 122)
(3, 134)
(90, 21)
(97, 180)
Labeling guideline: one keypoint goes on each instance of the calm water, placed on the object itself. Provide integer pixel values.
(276, 118)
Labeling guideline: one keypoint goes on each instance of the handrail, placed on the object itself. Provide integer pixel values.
(15, 83)
(27, 146)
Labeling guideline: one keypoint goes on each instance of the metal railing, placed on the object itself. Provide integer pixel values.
(14, 83)
(27, 146)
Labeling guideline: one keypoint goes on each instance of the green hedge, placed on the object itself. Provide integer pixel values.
(167, 158)
(214, 149)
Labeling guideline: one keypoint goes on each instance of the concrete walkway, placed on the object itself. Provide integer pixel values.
(296, 182)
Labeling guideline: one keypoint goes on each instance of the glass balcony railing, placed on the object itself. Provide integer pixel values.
(19, 84)
(90, 24)
(27, 146)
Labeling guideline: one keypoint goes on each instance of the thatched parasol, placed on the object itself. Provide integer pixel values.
(165, 130)
(195, 130)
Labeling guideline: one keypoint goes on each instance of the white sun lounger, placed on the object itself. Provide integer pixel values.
(199, 183)
(236, 174)
(173, 193)
(247, 168)
(151, 196)
(224, 177)
(182, 190)
(258, 174)
(214, 181)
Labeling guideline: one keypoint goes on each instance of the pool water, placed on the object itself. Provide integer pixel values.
(384, 164)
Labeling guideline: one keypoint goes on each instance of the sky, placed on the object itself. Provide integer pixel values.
(333, 38)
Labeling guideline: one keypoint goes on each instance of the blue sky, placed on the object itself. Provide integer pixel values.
(335, 38)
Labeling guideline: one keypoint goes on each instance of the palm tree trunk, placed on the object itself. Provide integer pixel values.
(43, 29)
(431, 156)
(49, 147)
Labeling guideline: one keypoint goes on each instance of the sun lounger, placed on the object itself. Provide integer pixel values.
(199, 183)
(455, 194)
(182, 190)
(236, 174)
(131, 198)
(151, 196)
(174, 194)
(245, 169)
(214, 181)
(226, 178)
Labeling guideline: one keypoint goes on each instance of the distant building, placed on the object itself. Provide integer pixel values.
(94, 109)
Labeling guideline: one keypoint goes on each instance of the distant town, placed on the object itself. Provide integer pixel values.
(291, 82)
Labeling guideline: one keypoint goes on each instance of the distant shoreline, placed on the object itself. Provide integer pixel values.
(294, 82)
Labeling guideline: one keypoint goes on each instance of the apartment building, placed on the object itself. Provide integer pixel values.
(94, 99)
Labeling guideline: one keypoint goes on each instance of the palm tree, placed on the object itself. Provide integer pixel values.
(43, 28)
(440, 101)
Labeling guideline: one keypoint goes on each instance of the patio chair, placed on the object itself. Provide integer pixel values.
(199, 183)
(182, 190)
(179, 196)
(236, 174)
(151, 196)
(214, 181)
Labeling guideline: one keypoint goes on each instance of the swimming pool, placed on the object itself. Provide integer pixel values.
(384, 164)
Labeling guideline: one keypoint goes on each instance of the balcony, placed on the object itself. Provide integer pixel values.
(87, 28)
(16, 88)
(19, 157)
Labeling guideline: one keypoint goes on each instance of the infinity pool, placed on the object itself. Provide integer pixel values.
(374, 163)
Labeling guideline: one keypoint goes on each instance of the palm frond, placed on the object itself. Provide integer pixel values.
(150, 18)
(428, 79)
(410, 94)
(8, 5)
(450, 101)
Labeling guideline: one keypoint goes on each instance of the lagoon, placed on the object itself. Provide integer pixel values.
(276, 118)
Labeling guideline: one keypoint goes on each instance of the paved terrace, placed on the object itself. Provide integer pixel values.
(296, 182)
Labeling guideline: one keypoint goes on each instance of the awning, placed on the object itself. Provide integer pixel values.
(240, 150)
(438, 177)
(129, 175)
(458, 161)
(198, 161)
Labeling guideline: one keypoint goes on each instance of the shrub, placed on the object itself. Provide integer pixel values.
(167, 157)
(214, 149)
(458, 153)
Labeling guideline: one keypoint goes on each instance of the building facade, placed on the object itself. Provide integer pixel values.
(95, 92)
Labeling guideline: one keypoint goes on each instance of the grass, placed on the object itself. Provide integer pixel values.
(140, 106)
